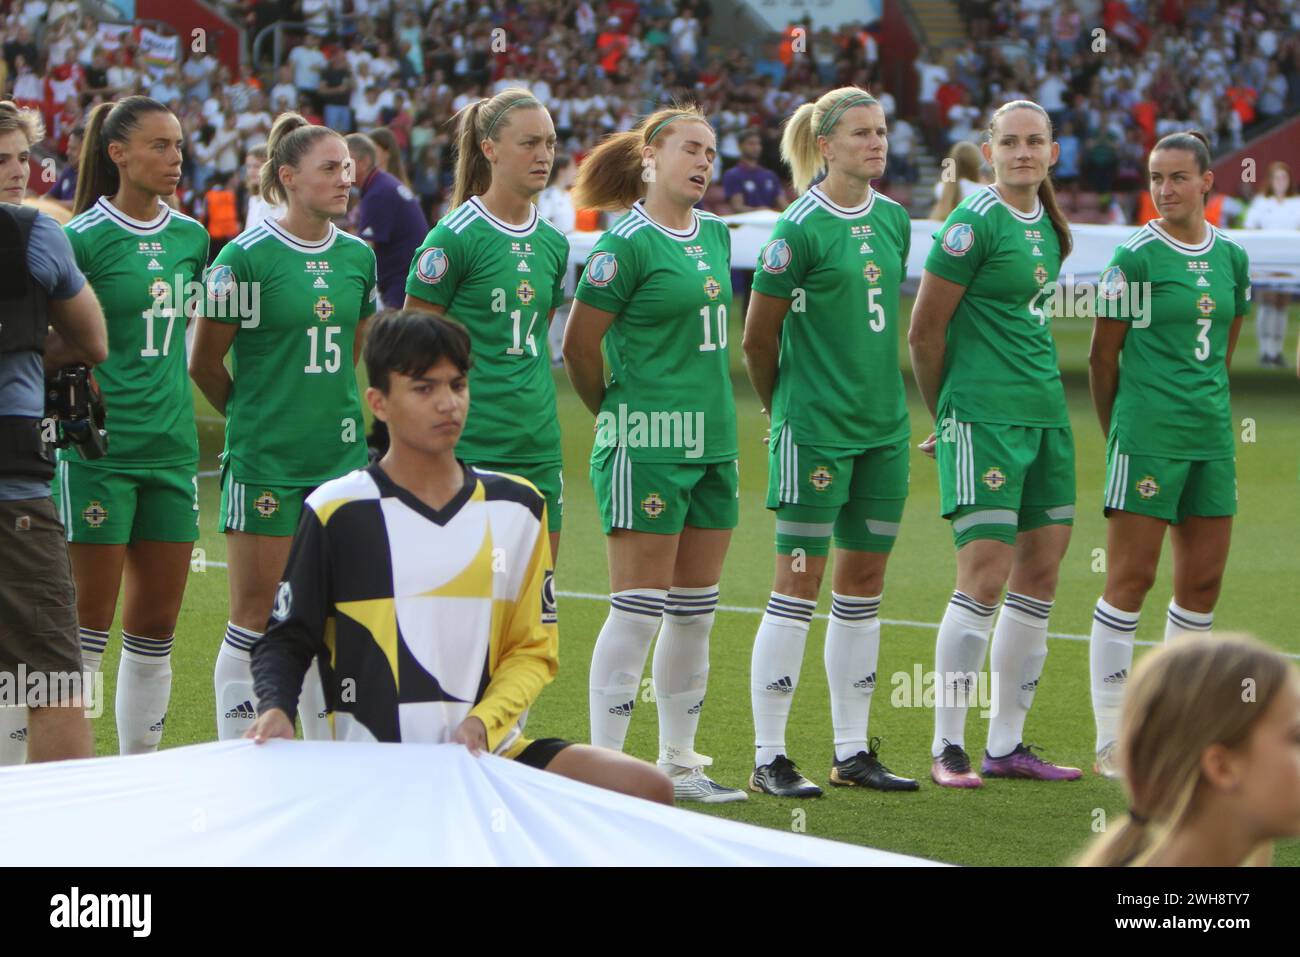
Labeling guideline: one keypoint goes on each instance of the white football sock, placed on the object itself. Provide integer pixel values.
(774, 671)
(233, 679)
(144, 686)
(1180, 621)
(13, 736)
(1110, 660)
(1016, 665)
(312, 711)
(619, 660)
(93, 644)
(958, 658)
(852, 648)
(681, 670)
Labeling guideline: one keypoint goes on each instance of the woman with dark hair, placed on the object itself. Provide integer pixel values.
(133, 515)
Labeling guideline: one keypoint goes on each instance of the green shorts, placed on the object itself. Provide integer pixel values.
(549, 479)
(855, 495)
(1171, 489)
(998, 480)
(260, 509)
(664, 497)
(117, 506)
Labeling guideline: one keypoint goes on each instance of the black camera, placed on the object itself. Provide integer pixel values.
(74, 402)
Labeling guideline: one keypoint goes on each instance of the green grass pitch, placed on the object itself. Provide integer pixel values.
(1005, 823)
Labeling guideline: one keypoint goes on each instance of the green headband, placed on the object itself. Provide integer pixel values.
(677, 116)
(856, 99)
(522, 101)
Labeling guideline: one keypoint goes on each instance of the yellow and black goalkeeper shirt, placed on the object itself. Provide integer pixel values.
(420, 617)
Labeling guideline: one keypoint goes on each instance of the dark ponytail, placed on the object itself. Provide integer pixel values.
(109, 123)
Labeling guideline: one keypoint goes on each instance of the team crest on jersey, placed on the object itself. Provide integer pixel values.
(959, 239)
(221, 282)
(159, 290)
(549, 615)
(652, 505)
(1148, 487)
(432, 265)
(995, 478)
(266, 504)
(1040, 274)
(712, 288)
(820, 478)
(1205, 305)
(324, 309)
(871, 272)
(524, 292)
(776, 256)
(94, 514)
(1113, 283)
(601, 269)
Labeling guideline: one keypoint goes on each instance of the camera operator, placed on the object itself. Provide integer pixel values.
(40, 287)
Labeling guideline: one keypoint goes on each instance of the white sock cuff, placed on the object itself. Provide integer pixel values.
(93, 641)
(149, 650)
(1190, 620)
(691, 602)
(1029, 611)
(968, 611)
(1113, 618)
(241, 640)
(638, 603)
(788, 611)
(854, 610)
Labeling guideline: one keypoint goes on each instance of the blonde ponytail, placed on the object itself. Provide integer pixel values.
(799, 146)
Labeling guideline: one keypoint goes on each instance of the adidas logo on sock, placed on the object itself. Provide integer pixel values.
(244, 710)
(20, 735)
(696, 709)
(868, 683)
(623, 710)
(1029, 685)
(158, 725)
(783, 685)
(322, 714)
(1117, 677)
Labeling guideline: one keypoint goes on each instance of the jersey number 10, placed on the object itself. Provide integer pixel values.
(708, 345)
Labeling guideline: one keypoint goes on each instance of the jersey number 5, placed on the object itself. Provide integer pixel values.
(877, 320)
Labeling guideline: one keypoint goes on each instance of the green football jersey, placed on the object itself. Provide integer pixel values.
(1000, 366)
(839, 383)
(500, 282)
(144, 274)
(669, 397)
(1173, 397)
(294, 413)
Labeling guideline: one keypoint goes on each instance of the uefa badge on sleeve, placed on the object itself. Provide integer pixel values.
(776, 256)
(958, 239)
(432, 265)
(601, 269)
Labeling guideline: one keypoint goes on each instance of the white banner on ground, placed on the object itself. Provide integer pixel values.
(1274, 254)
(234, 803)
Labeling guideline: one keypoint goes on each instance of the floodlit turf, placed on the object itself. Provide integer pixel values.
(1005, 823)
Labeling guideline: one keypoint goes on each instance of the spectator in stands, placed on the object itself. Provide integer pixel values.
(389, 218)
(307, 62)
(962, 174)
(1212, 773)
(902, 144)
(284, 95)
(335, 93)
(257, 208)
(1277, 207)
(962, 120)
(254, 123)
